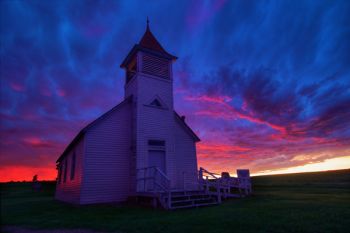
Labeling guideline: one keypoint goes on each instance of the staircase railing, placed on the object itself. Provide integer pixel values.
(152, 179)
(211, 181)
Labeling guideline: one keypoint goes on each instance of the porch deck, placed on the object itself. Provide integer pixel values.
(153, 186)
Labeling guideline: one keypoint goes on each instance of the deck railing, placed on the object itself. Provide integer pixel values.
(210, 182)
(223, 186)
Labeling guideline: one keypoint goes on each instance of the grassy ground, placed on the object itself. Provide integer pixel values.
(313, 202)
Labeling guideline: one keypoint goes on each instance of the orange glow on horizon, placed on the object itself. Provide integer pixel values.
(327, 165)
(24, 173)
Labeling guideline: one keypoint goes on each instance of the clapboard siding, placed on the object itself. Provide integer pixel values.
(160, 124)
(186, 159)
(116, 144)
(130, 88)
(108, 152)
(149, 86)
(154, 123)
(70, 190)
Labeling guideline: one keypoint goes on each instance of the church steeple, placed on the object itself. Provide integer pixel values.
(150, 45)
(149, 41)
(147, 23)
(148, 57)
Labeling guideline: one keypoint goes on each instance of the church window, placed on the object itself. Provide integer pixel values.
(72, 170)
(156, 103)
(65, 171)
(156, 143)
(59, 174)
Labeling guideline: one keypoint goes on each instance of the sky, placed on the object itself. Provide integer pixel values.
(264, 84)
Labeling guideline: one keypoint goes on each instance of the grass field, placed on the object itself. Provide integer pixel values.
(309, 202)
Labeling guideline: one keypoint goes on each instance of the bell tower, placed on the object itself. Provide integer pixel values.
(149, 80)
(149, 60)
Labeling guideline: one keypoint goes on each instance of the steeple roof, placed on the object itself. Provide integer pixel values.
(150, 44)
(149, 41)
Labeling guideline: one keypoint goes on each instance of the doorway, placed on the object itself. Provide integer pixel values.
(156, 158)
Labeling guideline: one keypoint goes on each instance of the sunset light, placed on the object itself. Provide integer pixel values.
(175, 116)
(327, 165)
(261, 93)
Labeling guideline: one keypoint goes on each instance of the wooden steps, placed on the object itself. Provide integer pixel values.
(183, 199)
(178, 199)
(190, 199)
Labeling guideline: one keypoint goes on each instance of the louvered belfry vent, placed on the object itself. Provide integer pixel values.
(155, 66)
(148, 57)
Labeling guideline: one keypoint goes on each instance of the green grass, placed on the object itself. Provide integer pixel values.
(309, 202)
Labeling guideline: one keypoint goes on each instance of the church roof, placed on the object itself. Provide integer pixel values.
(115, 108)
(187, 128)
(149, 44)
(86, 128)
(149, 41)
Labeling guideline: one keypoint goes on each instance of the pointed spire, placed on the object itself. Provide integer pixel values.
(147, 24)
(149, 41)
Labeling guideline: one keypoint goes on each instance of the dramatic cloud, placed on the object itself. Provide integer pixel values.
(265, 85)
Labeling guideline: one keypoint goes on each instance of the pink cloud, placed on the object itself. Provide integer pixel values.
(37, 142)
(61, 93)
(218, 107)
(221, 148)
(212, 99)
(17, 87)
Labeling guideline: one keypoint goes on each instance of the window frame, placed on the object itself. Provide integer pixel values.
(60, 173)
(65, 170)
(73, 164)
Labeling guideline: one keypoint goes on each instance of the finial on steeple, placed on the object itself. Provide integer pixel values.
(147, 23)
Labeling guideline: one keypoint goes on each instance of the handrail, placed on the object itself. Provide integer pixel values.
(160, 172)
(145, 168)
(158, 180)
(156, 169)
(216, 184)
(202, 170)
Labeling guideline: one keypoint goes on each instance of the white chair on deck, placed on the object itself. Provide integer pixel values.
(244, 181)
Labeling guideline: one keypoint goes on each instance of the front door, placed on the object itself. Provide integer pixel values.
(156, 158)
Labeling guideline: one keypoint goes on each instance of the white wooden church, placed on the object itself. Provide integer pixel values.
(141, 148)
